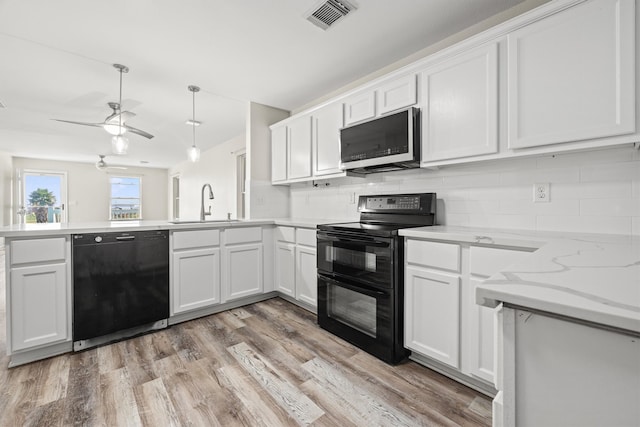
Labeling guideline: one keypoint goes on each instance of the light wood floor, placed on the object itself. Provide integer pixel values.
(266, 364)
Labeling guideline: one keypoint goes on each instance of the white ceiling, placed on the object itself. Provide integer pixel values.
(56, 63)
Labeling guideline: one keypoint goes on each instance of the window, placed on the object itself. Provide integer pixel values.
(43, 196)
(126, 198)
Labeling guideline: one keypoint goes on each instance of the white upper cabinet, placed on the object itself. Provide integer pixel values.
(327, 122)
(571, 76)
(358, 107)
(390, 95)
(299, 139)
(279, 154)
(397, 93)
(460, 114)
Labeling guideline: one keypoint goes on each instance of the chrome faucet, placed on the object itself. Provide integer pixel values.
(202, 211)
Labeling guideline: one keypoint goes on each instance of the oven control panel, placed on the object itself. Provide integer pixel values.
(393, 203)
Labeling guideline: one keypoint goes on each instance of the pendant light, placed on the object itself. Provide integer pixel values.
(194, 152)
(119, 143)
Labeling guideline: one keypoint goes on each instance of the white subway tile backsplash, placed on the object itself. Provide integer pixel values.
(557, 207)
(584, 224)
(597, 191)
(610, 207)
(622, 171)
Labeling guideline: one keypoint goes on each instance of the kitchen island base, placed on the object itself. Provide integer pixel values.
(556, 371)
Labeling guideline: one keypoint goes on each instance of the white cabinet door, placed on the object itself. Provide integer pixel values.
(480, 326)
(460, 117)
(279, 154)
(38, 306)
(432, 315)
(244, 270)
(359, 107)
(196, 279)
(306, 277)
(571, 75)
(327, 122)
(299, 137)
(286, 268)
(396, 94)
(481, 337)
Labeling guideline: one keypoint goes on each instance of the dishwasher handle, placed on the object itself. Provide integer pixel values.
(125, 237)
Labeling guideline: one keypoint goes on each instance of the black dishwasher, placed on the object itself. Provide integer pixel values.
(120, 285)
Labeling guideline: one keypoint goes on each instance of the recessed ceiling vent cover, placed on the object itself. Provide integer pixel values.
(328, 12)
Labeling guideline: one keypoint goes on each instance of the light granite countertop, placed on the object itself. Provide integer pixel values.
(590, 277)
(36, 230)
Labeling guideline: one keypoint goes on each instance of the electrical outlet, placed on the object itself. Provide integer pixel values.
(541, 192)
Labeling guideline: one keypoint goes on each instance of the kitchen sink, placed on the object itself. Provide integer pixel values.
(208, 221)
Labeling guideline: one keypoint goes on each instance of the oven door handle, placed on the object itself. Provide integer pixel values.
(359, 289)
(352, 239)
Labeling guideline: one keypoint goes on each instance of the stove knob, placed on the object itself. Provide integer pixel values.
(98, 239)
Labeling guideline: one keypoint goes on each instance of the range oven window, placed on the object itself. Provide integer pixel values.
(353, 309)
(365, 259)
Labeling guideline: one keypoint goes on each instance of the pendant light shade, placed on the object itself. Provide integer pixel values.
(119, 145)
(194, 152)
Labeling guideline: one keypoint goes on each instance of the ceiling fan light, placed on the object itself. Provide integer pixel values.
(114, 129)
(119, 145)
(193, 153)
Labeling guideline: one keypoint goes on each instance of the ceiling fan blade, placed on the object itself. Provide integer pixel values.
(99, 125)
(138, 132)
(115, 117)
(117, 167)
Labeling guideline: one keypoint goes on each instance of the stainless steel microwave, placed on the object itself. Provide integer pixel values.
(391, 142)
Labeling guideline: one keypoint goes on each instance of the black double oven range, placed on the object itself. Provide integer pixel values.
(361, 272)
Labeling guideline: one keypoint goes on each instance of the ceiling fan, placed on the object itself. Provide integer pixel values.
(101, 165)
(115, 123)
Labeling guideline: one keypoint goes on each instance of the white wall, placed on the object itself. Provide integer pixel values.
(517, 10)
(264, 200)
(88, 188)
(6, 174)
(592, 192)
(217, 166)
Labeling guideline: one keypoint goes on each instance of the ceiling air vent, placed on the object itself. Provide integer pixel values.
(328, 12)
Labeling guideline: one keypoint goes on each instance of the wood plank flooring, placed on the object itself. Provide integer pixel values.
(266, 364)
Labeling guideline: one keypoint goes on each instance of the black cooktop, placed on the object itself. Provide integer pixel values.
(385, 215)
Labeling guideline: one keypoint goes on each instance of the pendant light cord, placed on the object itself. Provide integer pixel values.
(194, 117)
(120, 105)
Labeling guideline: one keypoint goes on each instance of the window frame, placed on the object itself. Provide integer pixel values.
(111, 198)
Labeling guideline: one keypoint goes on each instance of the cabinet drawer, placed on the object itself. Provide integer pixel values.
(195, 239)
(286, 234)
(243, 235)
(488, 261)
(37, 250)
(306, 236)
(445, 256)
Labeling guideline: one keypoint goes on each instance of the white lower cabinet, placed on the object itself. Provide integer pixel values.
(295, 261)
(196, 273)
(286, 268)
(484, 262)
(442, 320)
(38, 306)
(195, 269)
(432, 314)
(39, 291)
(243, 262)
(306, 277)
